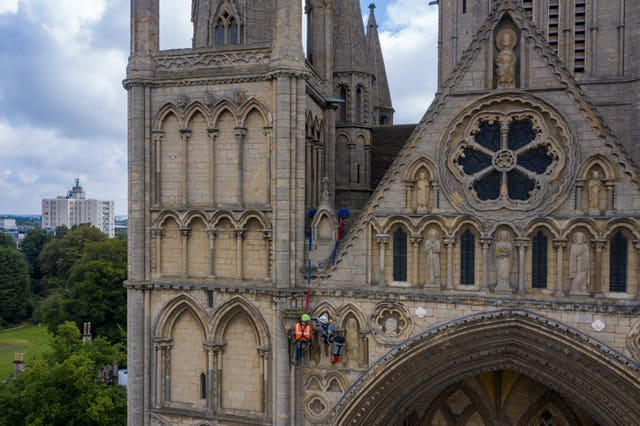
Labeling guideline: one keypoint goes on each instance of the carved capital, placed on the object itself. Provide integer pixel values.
(560, 244)
(598, 245)
(185, 233)
(267, 233)
(214, 347)
(264, 353)
(449, 240)
(212, 233)
(382, 239)
(157, 233)
(239, 233)
(240, 131)
(415, 239)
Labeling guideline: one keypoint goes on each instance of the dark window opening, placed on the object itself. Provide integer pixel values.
(467, 258)
(539, 265)
(203, 386)
(400, 255)
(343, 105)
(618, 263)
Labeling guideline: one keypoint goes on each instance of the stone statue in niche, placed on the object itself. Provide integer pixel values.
(433, 248)
(594, 186)
(422, 192)
(506, 59)
(579, 265)
(503, 261)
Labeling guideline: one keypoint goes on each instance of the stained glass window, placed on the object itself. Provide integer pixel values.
(400, 255)
(505, 163)
(467, 257)
(618, 263)
(539, 261)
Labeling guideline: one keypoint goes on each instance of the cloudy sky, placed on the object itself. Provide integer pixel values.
(62, 105)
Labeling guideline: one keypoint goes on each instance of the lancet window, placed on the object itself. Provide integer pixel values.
(539, 265)
(467, 258)
(226, 29)
(618, 263)
(399, 255)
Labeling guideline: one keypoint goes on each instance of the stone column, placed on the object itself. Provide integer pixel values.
(239, 235)
(559, 245)
(382, 240)
(367, 164)
(282, 373)
(409, 185)
(212, 350)
(240, 134)
(415, 241)
(436, 196)
(331, 150)
(267, 234)
(162, 370)
(156, 164)
(307, 172)
(352, 161)
(212, 234)
(185, 135)
(315, 177)
(485, 243)
(213, 134)
(185, 233)
(522, 245)
(579, 189)
(268, 132)
(610, 184)
(449, 241)
(156, 247)
(598, 246)
(264, 354)
(217, 349)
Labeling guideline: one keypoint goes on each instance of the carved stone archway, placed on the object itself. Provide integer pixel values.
(602, 382)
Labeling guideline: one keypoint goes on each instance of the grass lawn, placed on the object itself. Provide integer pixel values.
(30, 340)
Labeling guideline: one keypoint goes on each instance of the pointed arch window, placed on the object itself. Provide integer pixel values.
(227, 30)
(399, 255)
(359, 102)
(618, 263)
(467, 258)
(343, 106)
(539, 265)
(203, 386)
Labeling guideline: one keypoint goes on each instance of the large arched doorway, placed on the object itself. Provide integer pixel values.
(484, 357)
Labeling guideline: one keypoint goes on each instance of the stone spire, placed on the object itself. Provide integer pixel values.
(349, 40)
(382, 95)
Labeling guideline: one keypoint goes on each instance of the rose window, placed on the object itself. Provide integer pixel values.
(505, 159)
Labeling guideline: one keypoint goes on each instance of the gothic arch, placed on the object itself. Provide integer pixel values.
(223, 214)
(411, 170)
(172, 311)
(546, 224)
(583, 222)
(610, 171)
(550, 352)
(403, 221)
(253, 104)
(254, 214)
(164, 112)
(350, 308)
(193, 214)
(194, 108)
(463, 222)
(229, 309)
(221, 107)
(629, 224)
(326, 307)
(165, 215)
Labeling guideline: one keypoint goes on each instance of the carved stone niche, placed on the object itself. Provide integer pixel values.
(390, 323)
(633, 341)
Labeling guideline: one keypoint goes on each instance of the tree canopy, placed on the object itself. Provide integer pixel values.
(63, 387)
(14, 286)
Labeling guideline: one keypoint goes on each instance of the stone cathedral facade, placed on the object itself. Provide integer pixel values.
(491, 276)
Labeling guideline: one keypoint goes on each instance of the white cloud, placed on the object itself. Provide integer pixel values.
(409, 44)
(8, 6)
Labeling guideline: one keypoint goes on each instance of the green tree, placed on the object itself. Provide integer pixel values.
(92, 290)
(62, 387)
(31, 246)
(6, 240)
(60, 254)
(14, 286)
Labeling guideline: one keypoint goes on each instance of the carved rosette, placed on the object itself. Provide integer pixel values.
(316, 407)
(510, 154)
(390, 323)
(633, 341)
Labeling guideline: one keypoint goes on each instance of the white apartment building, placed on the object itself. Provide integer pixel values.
(74, 209)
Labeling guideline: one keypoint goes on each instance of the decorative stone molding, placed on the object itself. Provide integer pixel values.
(633, 341)
(191, 60)
(390, 323)
(316, 407)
